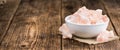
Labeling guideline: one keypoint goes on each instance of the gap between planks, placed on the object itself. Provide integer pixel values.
(10, 21)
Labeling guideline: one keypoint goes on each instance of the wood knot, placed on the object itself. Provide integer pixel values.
(24, 45)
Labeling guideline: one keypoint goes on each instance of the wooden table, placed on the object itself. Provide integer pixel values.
(34, 24)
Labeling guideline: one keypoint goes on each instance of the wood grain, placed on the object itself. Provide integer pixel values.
(34, 27)
(6, 16)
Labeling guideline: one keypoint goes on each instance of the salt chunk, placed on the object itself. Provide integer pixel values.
(104, 36)
(104, 18)
(65, 31)
(101, 38)
(99, 11)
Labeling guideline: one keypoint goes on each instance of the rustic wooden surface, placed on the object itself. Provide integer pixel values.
(6, 16)
(33, 24)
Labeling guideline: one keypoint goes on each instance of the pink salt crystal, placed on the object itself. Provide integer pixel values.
(65, 31)
(99, 11)
(84, 19)
(104, 18)
(104, 36)
(75, 18)
(80, 19)
(82, 9)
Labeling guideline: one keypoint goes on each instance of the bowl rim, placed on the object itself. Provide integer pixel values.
(83, 24)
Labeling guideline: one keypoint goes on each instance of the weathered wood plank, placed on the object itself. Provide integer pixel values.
(49, 23)
(96, 4)
(35, 27)
(6, 16)
(69, 7)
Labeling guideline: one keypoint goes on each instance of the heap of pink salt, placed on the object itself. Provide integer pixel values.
(85, 16)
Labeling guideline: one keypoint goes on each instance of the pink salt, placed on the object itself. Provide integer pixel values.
(86, 16)
(65, 31)
(104, 36)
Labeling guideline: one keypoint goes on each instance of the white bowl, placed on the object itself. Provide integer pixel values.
(86, 31)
